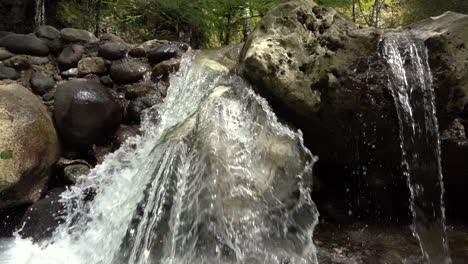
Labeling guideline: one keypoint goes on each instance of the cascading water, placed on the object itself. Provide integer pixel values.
(215, 178)
(39, 15)
(410, 81)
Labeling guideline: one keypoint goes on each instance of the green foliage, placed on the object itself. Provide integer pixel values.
(6, 155)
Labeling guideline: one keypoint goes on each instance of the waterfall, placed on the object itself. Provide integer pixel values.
(411, 84)
(39, 15)
(215, 178)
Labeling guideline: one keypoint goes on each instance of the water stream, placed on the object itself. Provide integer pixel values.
(410, 81)
(215, 178)
(39, 14)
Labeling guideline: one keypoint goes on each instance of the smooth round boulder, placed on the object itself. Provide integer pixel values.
(8, 73)
(29, 146)
(70, 56)
(5, 54)
(19, 62)
(128, 71)
(92, 65)
(139, 90)
(77, 35)
(86, 113)
(47, 32)
(24, 44)
(41, 83)
(162, 53)
(164, 68)
(113, 50)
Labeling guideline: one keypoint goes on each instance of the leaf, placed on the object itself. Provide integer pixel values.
(6, 155)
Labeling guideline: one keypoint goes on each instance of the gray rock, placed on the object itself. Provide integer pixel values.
(41, 83)
(70, 56)
(162, 53)
(74, 171)
(86, 113)
(19, 62)
(113, 50)
(47, 32)
(107, 81)
(8, 73)
(24, 44)
(128, 71)
(77, 35)
(5, 54)
(92, 65)
(39, 60)
(137, 106)
(49, 96)
(73, 72)
(4, 33)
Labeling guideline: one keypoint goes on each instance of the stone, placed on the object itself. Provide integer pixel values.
(77, 35)
(43, 217)
(39, 60)
(137, 106)
(4, 33)
(113, 50)
(164, 68)
(19, 62)
(128, 71)
(86, 113)
(29, 146)
(47, 32)
(74, 171)
(137, 52)
(107, 81)
(41, 83)
(162, 53)
(5, 54)
(8, 73)
(70, 56)
(90, 65)
(109, 37)
(181, 45)
(49, 96)
(55, 45)
(73, 72)
(139, 90)
(125, 132)
(24, 44)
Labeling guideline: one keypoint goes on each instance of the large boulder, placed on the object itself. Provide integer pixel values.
(47, 32)
(25, 44)
(77, 35)
(128, 71)
(86, 113)
(113, 50)
(8, 73)
(29, 146)
(70, 56)
(92, 65)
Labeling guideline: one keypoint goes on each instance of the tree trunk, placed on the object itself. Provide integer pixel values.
(98, 17)
(246, 27)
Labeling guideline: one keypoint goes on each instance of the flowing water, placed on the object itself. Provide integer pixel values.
(215, 178)
(39, 14)
(410, 81)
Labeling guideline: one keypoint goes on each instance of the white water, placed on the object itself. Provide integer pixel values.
(39, 14)
(215, 178)
(410, 80)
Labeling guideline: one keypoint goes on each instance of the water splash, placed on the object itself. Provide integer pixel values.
(39, 14)
(215, 178)
(411, 84)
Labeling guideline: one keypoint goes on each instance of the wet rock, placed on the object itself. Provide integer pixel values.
(8, 73)
(29, 146)
(25, 44)
(107, 81)
(73, 72)
(86, 113)
(137, 106)
(128, 71)
(43, 217)
(92, 65)
(41, 83)
(162, 53)
(164, 68)
(137, 52)
(77, 35)
(100, 153)
(19, 62)
(74, 171)
(91, 49)
(70, 56)
(49, 96)
(47, 32)
(124, 132)
(5, 54)
(113, 50)
(181, 45)
(139, 90)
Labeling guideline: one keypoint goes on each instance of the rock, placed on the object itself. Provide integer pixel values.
(113, 50)
(19, 62)
(70, 56)
(92, 65)
(91, 49)
(29, 146)
(137, 52)
(77, 35)
(39, 60)
(86, 113)
(74, 171)
(136, 107)
(164, 68)
(4, 33)
(49, 95)
(107, 81)
(139, 90)
(128, 71)
(109, 37)
(181, 45)
(8, 73)
(43, 217)
(100, 153)
(73, 72)
(124, 132)
(55, 45)
(5, 54)
(47, 32)
(41, 83)
(24, 44)
(162, 53)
